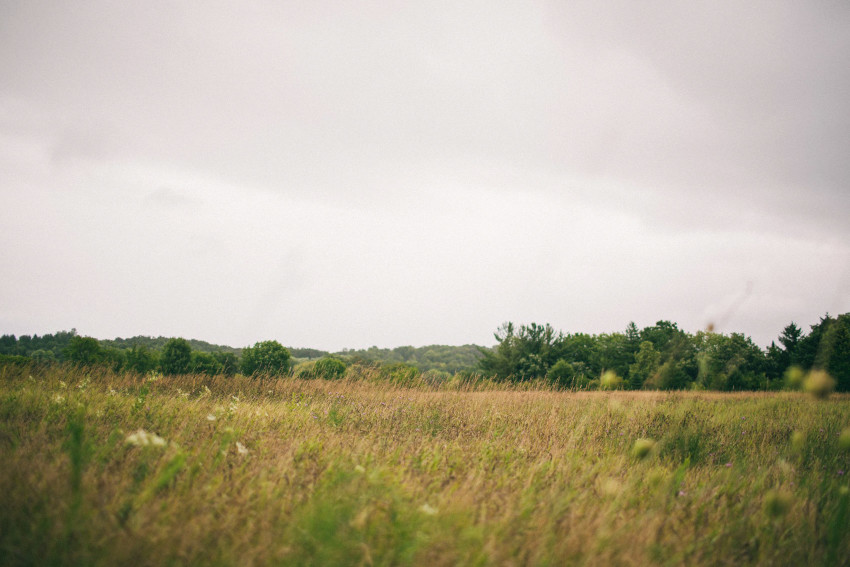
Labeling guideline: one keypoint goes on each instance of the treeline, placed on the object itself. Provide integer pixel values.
(175, 356)
(660, 356)
(52, 347)
(665, 357)
(144, 354)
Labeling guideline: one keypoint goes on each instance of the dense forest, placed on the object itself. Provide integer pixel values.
(664, 357)
(660, 356)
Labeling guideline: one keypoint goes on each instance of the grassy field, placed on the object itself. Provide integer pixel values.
(104, 469)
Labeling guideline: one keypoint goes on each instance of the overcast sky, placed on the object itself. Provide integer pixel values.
(348, 174)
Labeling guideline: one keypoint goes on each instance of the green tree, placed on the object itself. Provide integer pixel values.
(827, 348)
(646, 364)
(176, 357)
(114, 359)
(523, 354)
(84, 351)
(267, 357)
(204, 363)
(405, 352)
(139, 359)
(790, 341)
(568, 375)
(8, 344)
(613, 351)
(730, 362)
(228, 362)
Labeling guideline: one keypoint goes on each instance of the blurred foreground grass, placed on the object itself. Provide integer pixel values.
(104, 469)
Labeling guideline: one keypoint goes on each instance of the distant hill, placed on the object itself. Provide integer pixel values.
(432, 357)
(307, 353)
(156, 343)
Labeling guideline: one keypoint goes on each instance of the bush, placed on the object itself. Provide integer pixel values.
(15, 359)
(399, 373)
(43, 356)
(205, 363)
(329, 368)
(561, 374)
(267, 357)
(304, 370)
(568, 375)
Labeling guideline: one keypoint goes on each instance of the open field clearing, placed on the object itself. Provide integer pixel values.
(106, 469)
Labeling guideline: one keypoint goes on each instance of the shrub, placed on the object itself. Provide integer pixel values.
(305, 370)
(205, 363)
(329, 368)
(399, 373)
(267, 357)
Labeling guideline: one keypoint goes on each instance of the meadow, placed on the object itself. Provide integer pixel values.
(99, 468)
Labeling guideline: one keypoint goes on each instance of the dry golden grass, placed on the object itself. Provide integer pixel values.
(358, 472)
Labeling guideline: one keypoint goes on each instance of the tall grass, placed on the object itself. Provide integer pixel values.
(359, 472)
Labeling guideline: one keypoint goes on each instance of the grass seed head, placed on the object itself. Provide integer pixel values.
(642, 448)
(794, 377)
(610, 381)
(844, 439)
(819, 384)
(777, 504)
(798, 441)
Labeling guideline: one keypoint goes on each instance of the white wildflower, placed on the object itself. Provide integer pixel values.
(210, 417)
(57, 399)
(142, 438)
(241, 449)
(428, 510)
